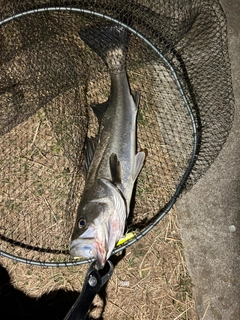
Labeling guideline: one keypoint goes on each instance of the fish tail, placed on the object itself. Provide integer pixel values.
(109, 41)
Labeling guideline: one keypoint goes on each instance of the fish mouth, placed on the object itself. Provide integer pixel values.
(90, 249)
(82, 248)
(91, 245)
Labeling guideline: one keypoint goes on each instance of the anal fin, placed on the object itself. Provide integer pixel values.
(138, 164)
(136, 97)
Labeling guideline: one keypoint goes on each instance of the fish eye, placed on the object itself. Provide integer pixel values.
(82, 223)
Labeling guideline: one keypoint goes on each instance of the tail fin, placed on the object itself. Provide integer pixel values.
(109, 41)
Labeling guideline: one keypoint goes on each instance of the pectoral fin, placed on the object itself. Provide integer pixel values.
(115, 168)
(138, 164)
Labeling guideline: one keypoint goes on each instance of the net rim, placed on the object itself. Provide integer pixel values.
(160, 215)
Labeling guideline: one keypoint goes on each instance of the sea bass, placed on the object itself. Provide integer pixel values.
(112, 162)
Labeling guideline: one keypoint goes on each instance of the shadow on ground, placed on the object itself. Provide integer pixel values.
(14, 304)
(17, 305)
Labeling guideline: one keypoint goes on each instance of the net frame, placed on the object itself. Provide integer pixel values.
(195, 143)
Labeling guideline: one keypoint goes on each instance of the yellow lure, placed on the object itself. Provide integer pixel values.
(128, 236)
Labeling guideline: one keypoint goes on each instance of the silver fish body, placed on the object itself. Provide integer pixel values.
(105, 203)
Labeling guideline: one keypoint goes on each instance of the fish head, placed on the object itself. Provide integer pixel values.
(89, 246)
(100, 224)
(88, 238)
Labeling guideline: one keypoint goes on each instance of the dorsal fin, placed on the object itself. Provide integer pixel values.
(89, 150)
(115, 168)
(99, 110)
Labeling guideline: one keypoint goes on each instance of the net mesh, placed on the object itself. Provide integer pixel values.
(48, 80)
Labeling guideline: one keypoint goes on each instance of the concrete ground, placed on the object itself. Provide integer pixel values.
(210, 213)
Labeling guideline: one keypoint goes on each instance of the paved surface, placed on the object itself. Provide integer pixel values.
(210, 213)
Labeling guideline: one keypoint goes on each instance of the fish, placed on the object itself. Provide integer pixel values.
(111, 159)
